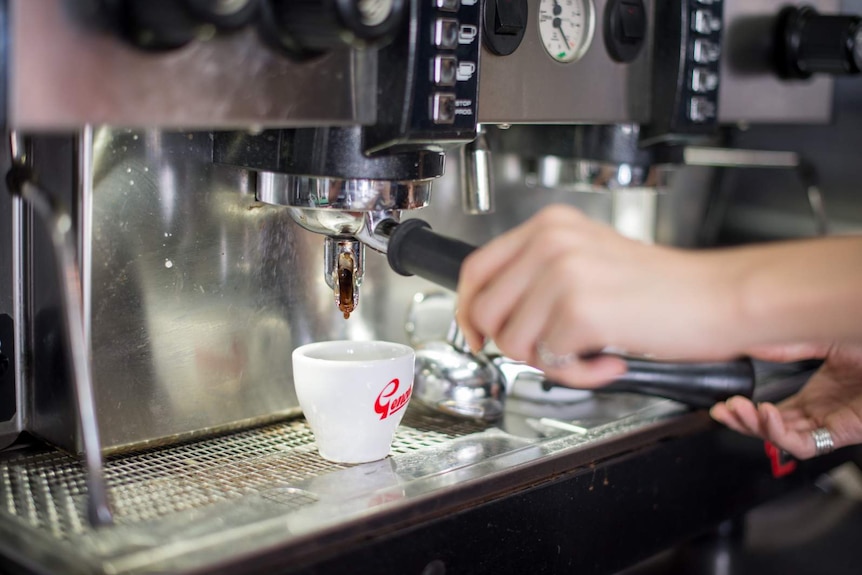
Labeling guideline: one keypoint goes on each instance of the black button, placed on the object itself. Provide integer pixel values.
(632, 20)
(4, 364)
(625, 29)
(510, 19)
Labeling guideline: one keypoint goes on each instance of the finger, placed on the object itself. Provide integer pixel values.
(588, 374)
(521, 289)
(478, 269)
(746, 412)
(519, 336)
(783, 353)
(722, 414)
(798, 443)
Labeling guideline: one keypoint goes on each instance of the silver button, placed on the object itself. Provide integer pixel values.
(447, 5)
(705, 22)
(443, 108)
(705, 52)
(703, 80)
(445, 33)
(444, 70)
(701, 109)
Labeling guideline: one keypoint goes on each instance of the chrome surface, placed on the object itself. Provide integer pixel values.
(75, 343)
(338, 254)
(477, 176)
(747, 97)
(734, 158)
(357, 195)
(199, 505)
(528, 86)
(197, 291)
(591, 176)
(231, 81)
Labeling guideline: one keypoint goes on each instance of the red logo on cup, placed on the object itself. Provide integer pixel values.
(387, 403)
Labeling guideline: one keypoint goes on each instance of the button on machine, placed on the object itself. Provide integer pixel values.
(701, 109)
(705, 22)
(443, 108)
(705, 51)
(447, 5)
(444, 70)
(445, 35)
(703, 80)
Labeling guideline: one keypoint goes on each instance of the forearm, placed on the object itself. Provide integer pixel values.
(807, 290)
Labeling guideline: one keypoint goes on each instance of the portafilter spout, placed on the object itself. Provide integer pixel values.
(343, 210)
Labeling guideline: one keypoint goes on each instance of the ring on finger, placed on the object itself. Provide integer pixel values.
(552, 360)
(823, 441)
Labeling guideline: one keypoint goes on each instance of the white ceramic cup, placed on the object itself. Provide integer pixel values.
(353, 394)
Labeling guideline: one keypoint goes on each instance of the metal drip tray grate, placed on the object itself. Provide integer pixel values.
(47, 492)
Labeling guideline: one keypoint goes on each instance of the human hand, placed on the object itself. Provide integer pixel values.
(576, 286)
(832, 398)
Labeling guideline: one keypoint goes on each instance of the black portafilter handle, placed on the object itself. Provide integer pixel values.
(414, 249)
(695, 384)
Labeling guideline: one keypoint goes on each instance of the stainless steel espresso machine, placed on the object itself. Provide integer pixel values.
(197, 187)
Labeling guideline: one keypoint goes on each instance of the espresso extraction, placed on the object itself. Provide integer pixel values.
(198, 189)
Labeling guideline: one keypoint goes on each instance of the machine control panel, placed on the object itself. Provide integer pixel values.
(686, 82)
(434, 103)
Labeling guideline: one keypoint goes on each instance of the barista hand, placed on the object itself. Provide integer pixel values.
(576, 286)
(832, 398)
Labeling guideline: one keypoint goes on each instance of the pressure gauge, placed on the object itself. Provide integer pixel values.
(566, 27)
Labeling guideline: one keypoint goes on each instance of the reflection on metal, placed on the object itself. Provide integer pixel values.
(200, 505)
(231, 81)
(197, 293)
(731, 158)
(591, 176)
(354, 195)
(477, 176)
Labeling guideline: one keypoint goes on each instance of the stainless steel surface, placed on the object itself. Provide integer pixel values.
(197, 291)
(746, 97)
(591, 176)
(734, 158)
(199, 505)
(75, 343)
(477, 176)
(528, 86)
(65, 75)
(359, 195)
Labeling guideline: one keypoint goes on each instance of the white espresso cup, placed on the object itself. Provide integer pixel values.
(353, 394)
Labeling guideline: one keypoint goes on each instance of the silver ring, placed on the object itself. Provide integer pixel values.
(823, 442)
(551, 359)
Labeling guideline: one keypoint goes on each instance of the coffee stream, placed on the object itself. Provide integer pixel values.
(345, 284)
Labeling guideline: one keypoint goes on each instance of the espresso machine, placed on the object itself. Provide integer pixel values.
(197, 187)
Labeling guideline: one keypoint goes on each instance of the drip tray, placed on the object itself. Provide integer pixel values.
(213, 501)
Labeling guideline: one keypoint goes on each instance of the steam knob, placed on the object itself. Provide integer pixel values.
(309, 27)
(808, 43)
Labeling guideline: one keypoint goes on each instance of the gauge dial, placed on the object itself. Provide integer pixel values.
(566, 27)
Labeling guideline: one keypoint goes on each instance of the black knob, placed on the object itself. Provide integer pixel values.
(808, 43)
(162, 25)
(306, 28)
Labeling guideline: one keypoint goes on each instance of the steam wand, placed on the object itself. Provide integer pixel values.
(20, 182)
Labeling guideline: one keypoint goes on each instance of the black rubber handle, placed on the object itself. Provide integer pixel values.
(416, 250)
(695, 384)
